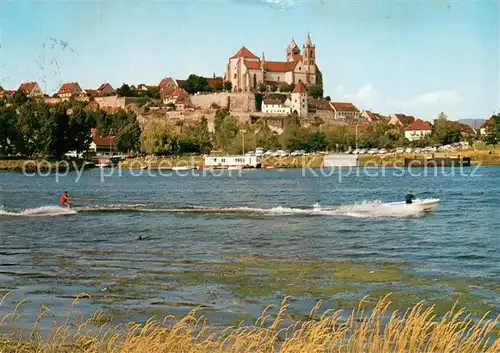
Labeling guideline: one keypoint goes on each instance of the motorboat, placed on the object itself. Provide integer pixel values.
(424, 204)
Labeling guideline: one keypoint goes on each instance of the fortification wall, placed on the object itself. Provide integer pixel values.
(114, 101)
(242, 102)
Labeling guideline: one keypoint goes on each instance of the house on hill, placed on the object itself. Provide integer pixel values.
(320, 108)
(70, 89)
(168, 85)
(402, 120)
(417, 130)
(31, 89)
(246, 71)
(105, 90)
(102, 144)
(345, 112)
(279, 105)
(373, 117)
(180, 98)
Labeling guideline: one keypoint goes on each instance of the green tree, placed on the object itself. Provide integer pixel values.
(445, 131)
(262, 87)
(316, 91)
(79, 127)
(316, 141)
(228, 86)
(158, 137)
(195, 84)
(226, 129)
(197, 138)
(10, 141)
(328, 98)
(493, 131)
(19, 98)
(126, 91)
(258, 101)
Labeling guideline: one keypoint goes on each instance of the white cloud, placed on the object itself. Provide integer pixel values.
(428, 99)
(365, 97)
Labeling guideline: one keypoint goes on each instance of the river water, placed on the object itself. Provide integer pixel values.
(233, 242)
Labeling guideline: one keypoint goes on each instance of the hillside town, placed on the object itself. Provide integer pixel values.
(254, 91)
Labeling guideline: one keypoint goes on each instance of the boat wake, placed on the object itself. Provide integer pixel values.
(43, 211)
(367, 209)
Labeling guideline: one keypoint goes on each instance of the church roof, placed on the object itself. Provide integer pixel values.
(280, 66)
(300, 88)
(253, 65)
(244, 53)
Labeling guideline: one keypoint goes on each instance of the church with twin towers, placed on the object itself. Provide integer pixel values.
(246, 71)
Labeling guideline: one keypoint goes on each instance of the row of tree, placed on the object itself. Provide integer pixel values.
(35, 128)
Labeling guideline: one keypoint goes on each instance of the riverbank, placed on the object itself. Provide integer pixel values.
(479, 157)
(375, 329)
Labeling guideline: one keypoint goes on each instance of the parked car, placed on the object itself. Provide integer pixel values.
(373, 151)
(382, 151)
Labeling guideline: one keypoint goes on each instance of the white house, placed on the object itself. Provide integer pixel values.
(274, 106)
(417, 130)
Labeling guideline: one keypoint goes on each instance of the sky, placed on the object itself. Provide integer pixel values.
(416, 57)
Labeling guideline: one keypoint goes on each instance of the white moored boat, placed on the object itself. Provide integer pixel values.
(425, 204)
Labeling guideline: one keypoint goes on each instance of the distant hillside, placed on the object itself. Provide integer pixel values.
(473, 123)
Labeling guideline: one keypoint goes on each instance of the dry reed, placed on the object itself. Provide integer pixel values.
(379, 330)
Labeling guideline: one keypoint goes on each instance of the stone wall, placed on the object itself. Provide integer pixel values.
(242, 102)
(114, 101)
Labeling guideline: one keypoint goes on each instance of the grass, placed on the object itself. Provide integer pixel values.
(377, 330)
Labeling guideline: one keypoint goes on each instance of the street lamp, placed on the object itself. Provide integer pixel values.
(243, 141)
(110, 132)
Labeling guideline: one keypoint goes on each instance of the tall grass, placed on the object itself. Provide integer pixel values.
(378, 330)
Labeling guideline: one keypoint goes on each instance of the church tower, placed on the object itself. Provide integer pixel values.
(293, 49)
(310, 61)
(309, 52)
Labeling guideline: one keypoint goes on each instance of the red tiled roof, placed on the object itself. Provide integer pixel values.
(103, 140)
(252, 65)
(463, 128)
(244, 53)
(344, 107)
(27, 87)
(418, 125)
(91, 92)
(103, 86)
(299, 88)
(297, 57)
(280, 66)
(405, 120)
(8, 92)
(68, 87)
(215, 81)
(163, 82)
(319, 104)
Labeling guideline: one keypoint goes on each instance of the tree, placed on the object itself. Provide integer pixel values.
(262, 87)
(9, 135)
(445, 131)
(79, 127)
(195, 84)
(19, 98)
(158, 137)
(316, 91)
(197, 138)
(226, 129)
(125, 91)
(493, 131)
(316, 141)
(328, 98)
(228, 86)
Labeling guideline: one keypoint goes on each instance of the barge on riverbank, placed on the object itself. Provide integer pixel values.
(231, 162)
(438, 162)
